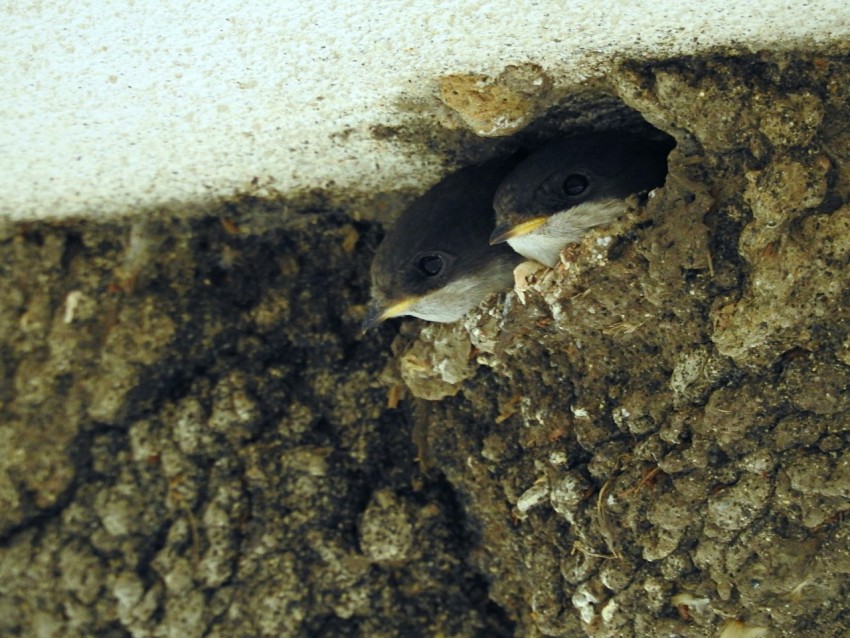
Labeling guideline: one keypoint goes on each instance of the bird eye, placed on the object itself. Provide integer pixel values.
(430, 265)
(575, 184)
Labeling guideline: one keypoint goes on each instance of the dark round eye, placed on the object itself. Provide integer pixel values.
(430, 265)
(575, 184)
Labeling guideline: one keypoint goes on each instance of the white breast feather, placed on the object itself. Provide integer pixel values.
(545, 243)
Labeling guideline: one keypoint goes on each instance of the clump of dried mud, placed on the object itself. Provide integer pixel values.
(653, 436)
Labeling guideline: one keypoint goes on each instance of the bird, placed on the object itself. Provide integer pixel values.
(558, 193)
(436, 262)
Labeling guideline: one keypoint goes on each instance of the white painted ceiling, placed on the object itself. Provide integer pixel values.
(108, 107)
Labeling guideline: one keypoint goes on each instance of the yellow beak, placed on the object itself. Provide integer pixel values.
(379, 313)
(501, 233)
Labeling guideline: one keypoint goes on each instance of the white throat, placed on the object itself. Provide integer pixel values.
(458, 297)
(544, 244)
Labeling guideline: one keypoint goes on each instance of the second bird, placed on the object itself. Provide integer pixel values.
(558, 193)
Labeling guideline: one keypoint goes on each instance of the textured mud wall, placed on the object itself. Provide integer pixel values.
(651, 439)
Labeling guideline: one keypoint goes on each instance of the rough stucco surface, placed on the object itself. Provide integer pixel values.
(650, 439)
(111, 108)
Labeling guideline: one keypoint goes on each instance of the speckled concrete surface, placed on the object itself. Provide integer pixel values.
(113, 108)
